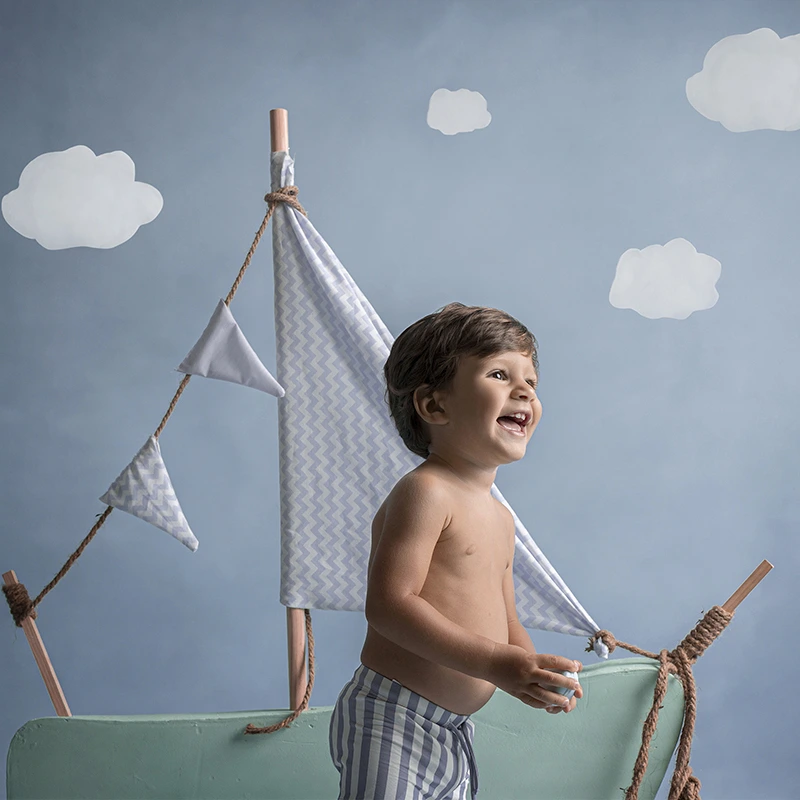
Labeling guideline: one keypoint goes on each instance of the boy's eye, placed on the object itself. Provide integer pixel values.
(503, 375)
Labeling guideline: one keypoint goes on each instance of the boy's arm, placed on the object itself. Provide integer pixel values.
(416, 514)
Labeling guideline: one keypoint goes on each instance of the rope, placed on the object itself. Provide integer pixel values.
(304, 703)
(684, 785)
(19, 602)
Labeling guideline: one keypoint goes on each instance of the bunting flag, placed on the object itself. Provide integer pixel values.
(223, 352)
(340, 453)
(144, 489)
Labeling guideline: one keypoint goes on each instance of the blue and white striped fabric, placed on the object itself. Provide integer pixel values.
(391, 743)
(340, 454)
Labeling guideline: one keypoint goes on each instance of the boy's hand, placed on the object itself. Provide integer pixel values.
(526, 676)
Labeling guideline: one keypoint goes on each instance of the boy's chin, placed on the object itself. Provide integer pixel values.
(512, 454)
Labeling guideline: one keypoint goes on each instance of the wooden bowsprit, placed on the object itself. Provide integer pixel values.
(752, 581)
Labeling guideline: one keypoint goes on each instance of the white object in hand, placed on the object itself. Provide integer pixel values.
(563, 689)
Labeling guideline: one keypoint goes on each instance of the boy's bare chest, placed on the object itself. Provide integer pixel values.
(477, 540)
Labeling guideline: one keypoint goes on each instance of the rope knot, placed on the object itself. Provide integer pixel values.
(288, 195)
(691, 791)
(606, 637)
(20, 603)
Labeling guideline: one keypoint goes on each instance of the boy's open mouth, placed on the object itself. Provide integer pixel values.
(512, 424)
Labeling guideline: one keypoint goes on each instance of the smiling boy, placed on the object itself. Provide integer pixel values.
(442, 630)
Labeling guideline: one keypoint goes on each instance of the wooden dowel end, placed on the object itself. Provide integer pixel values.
(752, 581)
(279, 129)
(42, 659)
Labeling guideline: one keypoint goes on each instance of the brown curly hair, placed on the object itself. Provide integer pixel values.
(427, 353)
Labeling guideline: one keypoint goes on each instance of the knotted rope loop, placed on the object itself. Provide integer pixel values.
(605, 636)
(20, 603)
(288, 195)
(684, 785)
(304, 704)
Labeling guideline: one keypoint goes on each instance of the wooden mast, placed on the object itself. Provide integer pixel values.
(295, 617)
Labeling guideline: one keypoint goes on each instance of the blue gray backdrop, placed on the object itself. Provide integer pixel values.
(665, 467)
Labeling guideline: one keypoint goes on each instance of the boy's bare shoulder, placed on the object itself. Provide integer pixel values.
(420, 485)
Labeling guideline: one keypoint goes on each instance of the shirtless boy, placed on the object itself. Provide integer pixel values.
(442, 630)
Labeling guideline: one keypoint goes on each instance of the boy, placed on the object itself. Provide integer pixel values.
(442, 629)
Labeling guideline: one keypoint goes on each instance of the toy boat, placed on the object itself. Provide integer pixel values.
(322, 319)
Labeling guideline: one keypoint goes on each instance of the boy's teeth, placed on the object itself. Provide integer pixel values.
(511, 424)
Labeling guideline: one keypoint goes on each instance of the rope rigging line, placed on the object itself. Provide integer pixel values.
(19, 602)
(284, 723)
(684, 785)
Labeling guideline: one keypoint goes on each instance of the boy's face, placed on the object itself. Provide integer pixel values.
(484, 391)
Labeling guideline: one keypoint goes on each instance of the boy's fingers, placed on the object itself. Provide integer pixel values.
(530, 700)
(551, 661)
(545, 700)
(556, 679)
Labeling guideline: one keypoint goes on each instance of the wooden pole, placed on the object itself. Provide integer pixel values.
(296, 639)
(279, 129)
(295, 617)
(42, 659)
(752, 581)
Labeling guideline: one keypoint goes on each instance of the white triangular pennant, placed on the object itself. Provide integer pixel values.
(223, 352)
(144, 489)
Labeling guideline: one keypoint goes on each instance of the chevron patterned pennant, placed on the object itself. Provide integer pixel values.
(144, 489)
(340, 453)
(223, 352)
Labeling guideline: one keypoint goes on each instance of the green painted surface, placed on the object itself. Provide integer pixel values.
(522, 753)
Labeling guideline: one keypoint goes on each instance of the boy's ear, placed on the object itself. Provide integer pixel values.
(428, 406)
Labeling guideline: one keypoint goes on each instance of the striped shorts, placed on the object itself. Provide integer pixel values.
(390, 743)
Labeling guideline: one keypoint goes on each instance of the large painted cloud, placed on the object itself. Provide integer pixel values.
(671, 280)
(462, 111)
(73, 198)
(750, 82)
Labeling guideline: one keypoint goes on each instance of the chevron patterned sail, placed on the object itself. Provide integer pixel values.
(223, 352)
(144, 489)
(340, 453)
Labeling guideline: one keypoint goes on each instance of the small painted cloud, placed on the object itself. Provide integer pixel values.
(750, 82)
(671, 280)
(461, 111)
(73, 198)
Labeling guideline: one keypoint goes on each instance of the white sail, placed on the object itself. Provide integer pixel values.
(340, 453)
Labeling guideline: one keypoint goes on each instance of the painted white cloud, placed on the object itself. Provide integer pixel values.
(73, 198)
(671, 280)
(750, 82)
(461, 111)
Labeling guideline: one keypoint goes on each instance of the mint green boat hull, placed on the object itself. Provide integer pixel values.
(522, 753)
